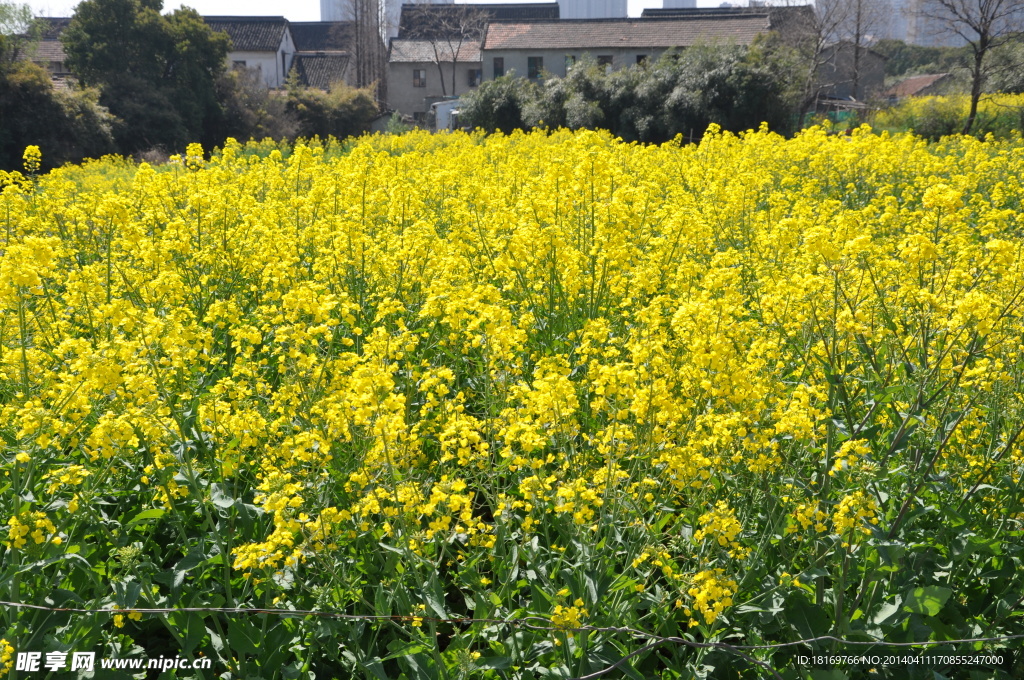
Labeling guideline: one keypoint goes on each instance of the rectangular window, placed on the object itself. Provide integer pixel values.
(475, 76)
(499, 67)
(534, 67)
(570, 61)
(419, 77)
(238, 64)
(606, 61)
(641, 58)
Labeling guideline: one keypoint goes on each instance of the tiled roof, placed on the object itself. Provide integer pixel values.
(320, 70)
(251, 34)
(592, 34)
(914, 85)
(422, 51)
(780, 17)
(322, 36)
(420, 20)
(48, 51)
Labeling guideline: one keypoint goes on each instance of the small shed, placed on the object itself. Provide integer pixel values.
(918, 86)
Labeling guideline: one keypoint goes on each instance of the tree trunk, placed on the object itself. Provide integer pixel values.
(976, 82)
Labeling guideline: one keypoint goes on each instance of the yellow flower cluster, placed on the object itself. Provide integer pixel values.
(850, 456)
(721, 526)
(440, 342)
(119, 618)
(32, 158)
(711, 593)
(569, 617)
(6, 657)
(32, 525)
(852, 515)
(808, 515)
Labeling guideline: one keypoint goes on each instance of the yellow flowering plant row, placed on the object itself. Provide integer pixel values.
(754, 390)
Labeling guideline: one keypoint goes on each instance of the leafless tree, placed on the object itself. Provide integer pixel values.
(810, 33)
(858, 26)
(984, 25)
(367, 42)
(449, 29)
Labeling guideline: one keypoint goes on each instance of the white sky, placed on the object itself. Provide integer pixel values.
(295, 10)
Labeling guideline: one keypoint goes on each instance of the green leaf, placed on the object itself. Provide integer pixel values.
(183, 566)
(219, 498)
(244, 638)
(988, 546)
(407, 650)
(150, 515)
(498, 663)
(828, 674)
(928, 600)
(809, 620)
(885, 613)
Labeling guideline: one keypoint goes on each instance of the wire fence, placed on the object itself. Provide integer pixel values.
(528, 623)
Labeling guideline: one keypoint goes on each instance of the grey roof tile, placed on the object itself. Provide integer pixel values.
(421, 20)
(321, 70)
(592, 34)
(251, 34)
(422, 51)
(323, 36)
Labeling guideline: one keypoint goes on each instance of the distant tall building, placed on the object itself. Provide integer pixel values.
(391, 11)
(914, 22)
(592, 9)
(680, 4)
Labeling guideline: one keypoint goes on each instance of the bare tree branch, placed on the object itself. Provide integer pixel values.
(448, 29)
(983, 25)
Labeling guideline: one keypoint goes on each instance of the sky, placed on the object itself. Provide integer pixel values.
(294, 10)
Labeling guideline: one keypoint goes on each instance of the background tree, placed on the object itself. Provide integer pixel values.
(681, 93)
(250, 110)
(499, 104)
(809, 34)
(907, 59)
(17, 29)
(984, 25)
(1005, 72)
(342, 112)
(367, 38)
(66, 126)
(156, 73)
(449, 29)
(857, 24)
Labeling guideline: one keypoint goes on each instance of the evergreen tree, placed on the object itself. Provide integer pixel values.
(156, 73)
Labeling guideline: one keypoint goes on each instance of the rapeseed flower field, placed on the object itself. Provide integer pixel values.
(516, 406)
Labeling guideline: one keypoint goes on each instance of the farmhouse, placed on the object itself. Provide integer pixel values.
(534, 49)
(261, 43)
(421, 72)
(323, 53)
(845, 74)
(918, 86)
(49, 52)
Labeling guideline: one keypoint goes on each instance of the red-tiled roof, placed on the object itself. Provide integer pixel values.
(591, 34)
(915, 84)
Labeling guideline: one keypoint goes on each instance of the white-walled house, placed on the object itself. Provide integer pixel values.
(534, 48)
(261, 43)
(415, 81)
